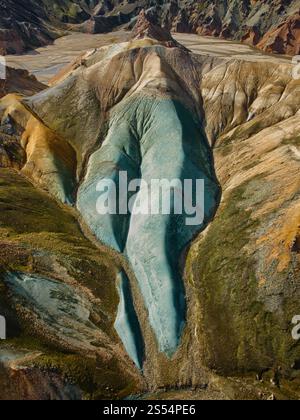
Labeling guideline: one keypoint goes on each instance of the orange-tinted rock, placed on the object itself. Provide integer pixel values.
(273, 25)
(285, 39)
(251, 37)
(147, 28)
(19, 81)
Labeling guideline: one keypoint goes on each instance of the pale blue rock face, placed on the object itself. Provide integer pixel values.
(65, 312)
(153, 139)
(119, 152)
(127, 323)
(49, 297)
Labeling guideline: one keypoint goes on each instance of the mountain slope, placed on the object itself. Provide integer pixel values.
(31, 24)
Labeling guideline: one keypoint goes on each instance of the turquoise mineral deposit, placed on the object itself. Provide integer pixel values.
(151, 139)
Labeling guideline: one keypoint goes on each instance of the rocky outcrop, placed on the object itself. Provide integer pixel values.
(12, 155)
(23, 382)
(12, 115)
(23, 26)
(37, 23)
(244, 266)
(284, 39)
(59, 300)
(19, 82)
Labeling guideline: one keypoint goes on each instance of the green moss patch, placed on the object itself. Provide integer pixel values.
(39, 235)
(96, 379)
(33, 224)
(239, 333)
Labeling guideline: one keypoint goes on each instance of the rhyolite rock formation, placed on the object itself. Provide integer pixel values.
(18, 81)
(138, 123)
(116, 305)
